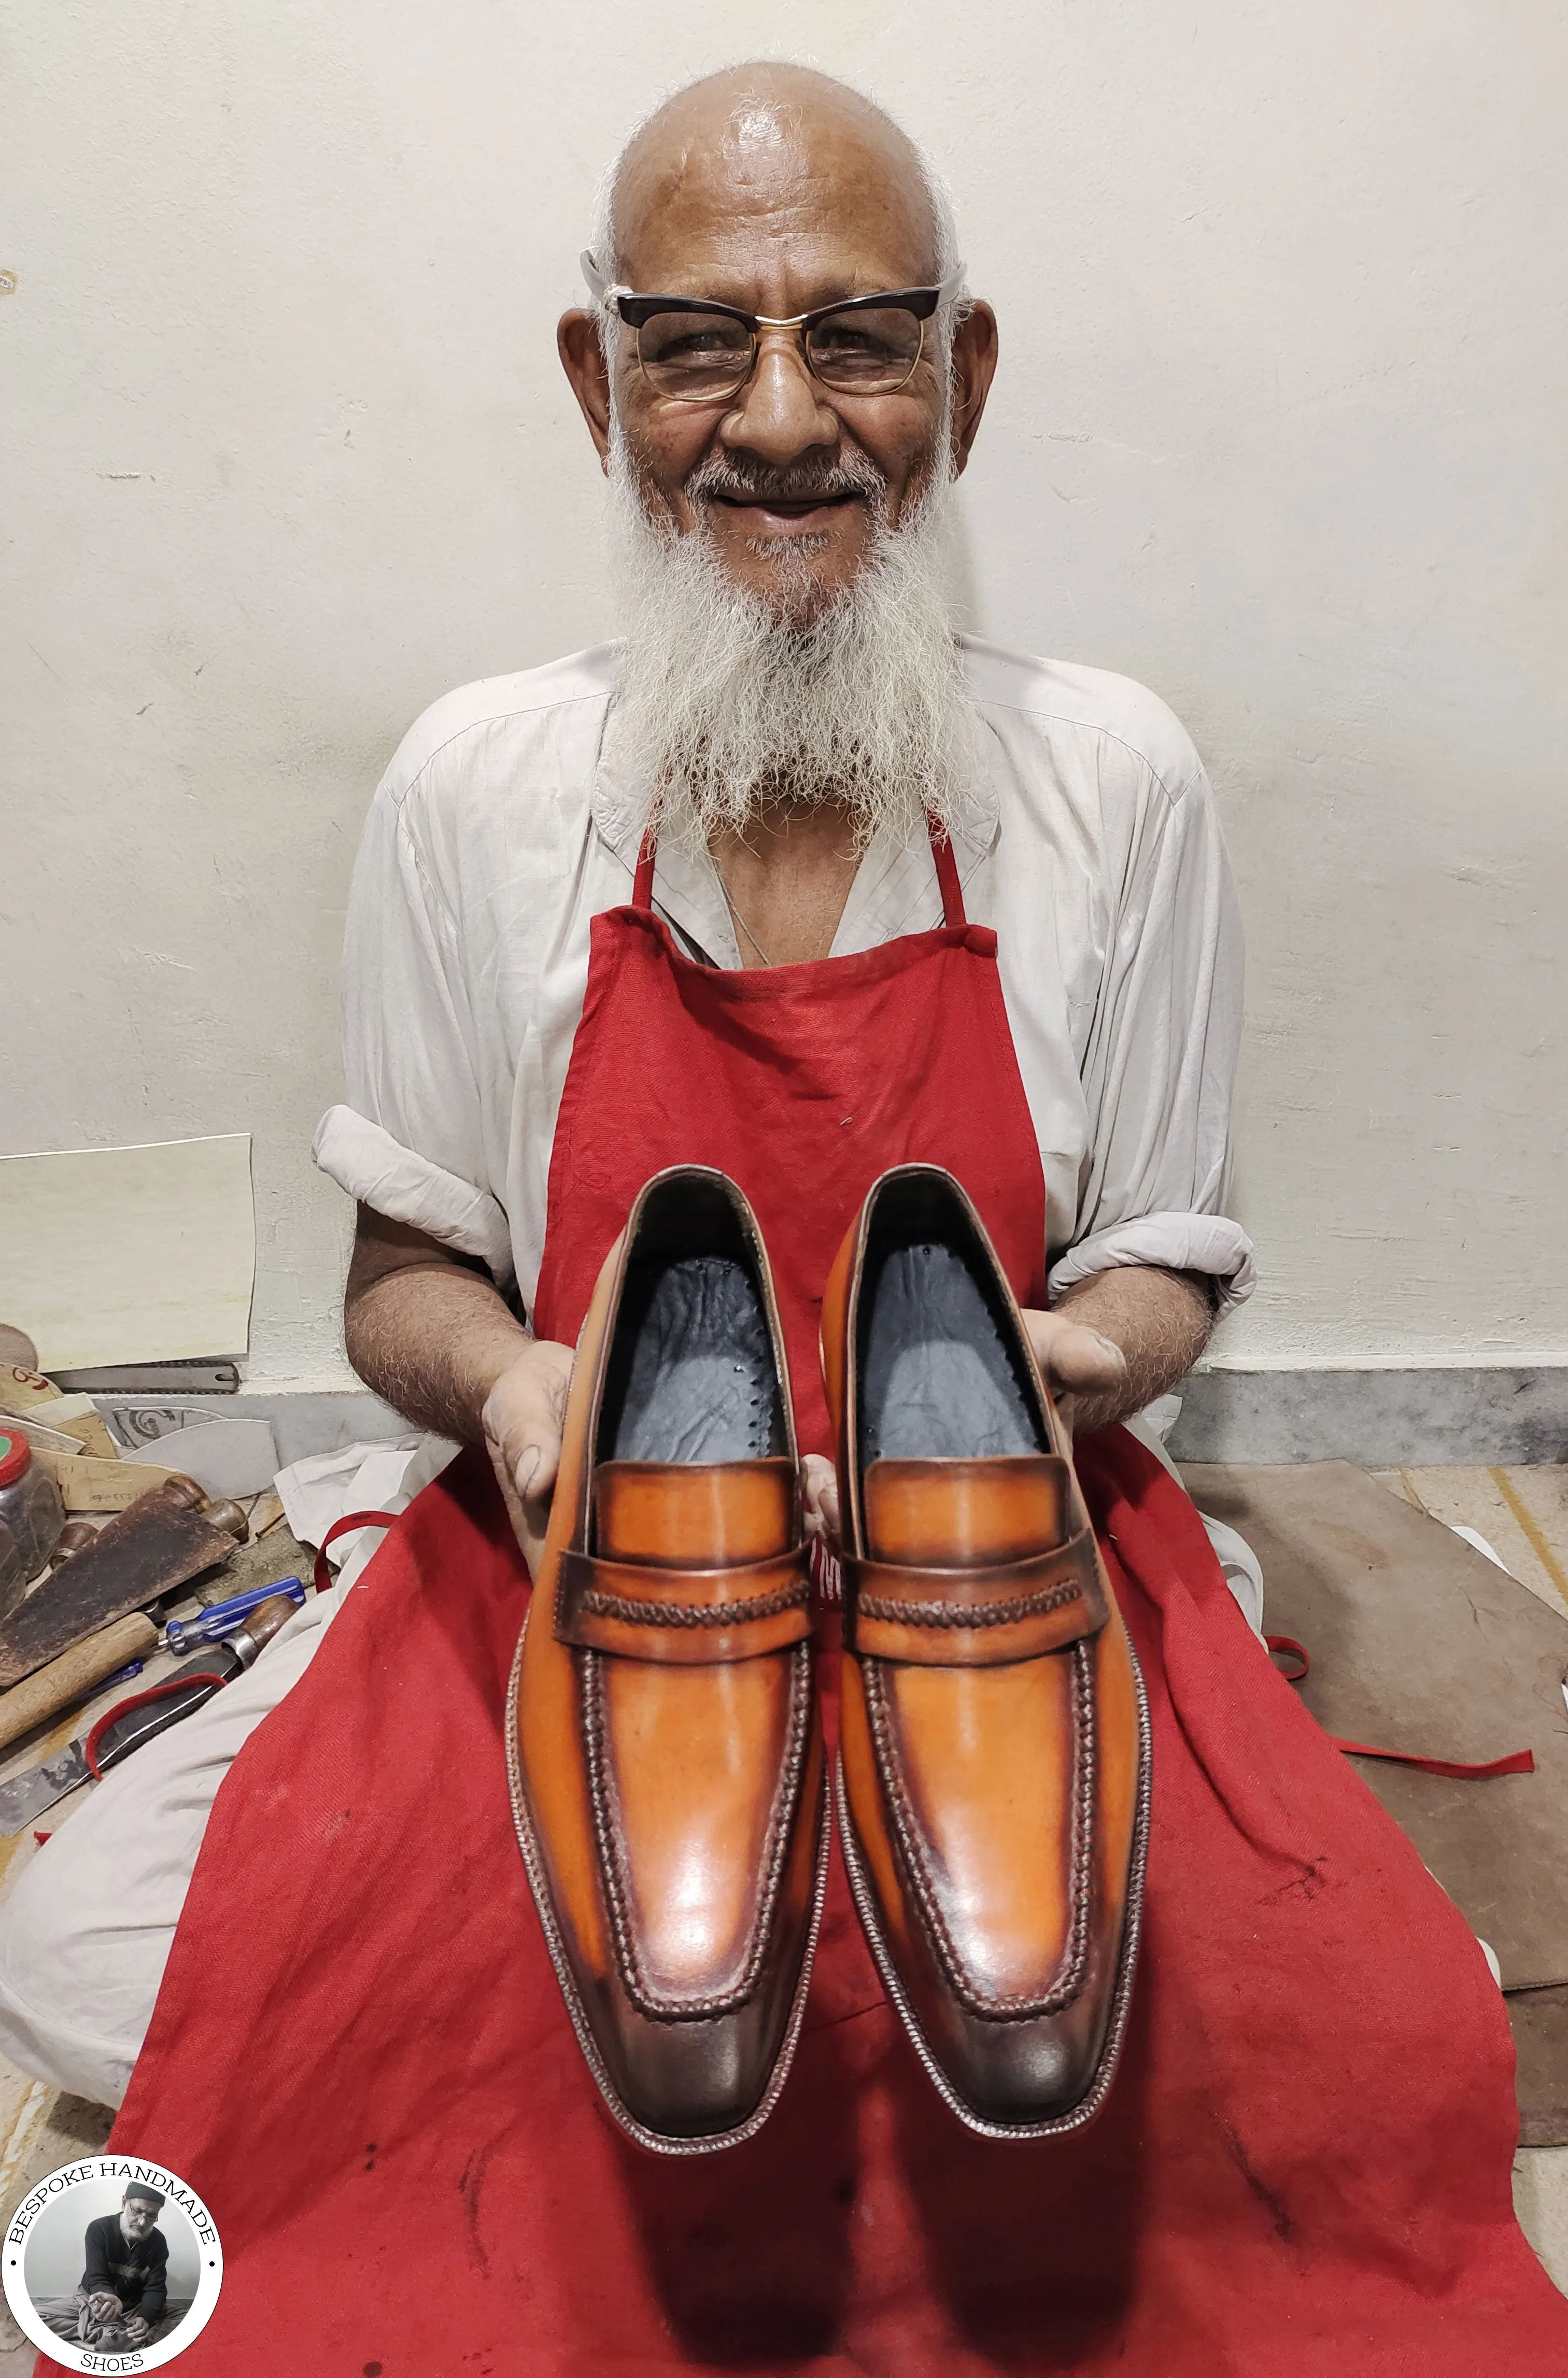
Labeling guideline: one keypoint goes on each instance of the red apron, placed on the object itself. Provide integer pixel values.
(359, 2055)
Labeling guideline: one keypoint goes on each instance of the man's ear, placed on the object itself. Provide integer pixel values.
(581, 358)
(974, 367)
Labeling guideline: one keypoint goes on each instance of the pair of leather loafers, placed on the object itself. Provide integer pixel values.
(664, 1747)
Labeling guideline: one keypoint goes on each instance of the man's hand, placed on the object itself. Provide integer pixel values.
(1071, 1359)
(1157, 1322)
(136, 2329)
(1077, 1363)
(103, 2306)
(522, 1419)
(427, 1331)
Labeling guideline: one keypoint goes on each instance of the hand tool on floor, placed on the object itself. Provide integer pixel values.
(140, 1555)
(87, 1666)
(131, 1722)
(78, 1672)
(221, 1618)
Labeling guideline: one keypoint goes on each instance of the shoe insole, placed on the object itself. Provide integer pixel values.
(937, 1381)
(692, 1375)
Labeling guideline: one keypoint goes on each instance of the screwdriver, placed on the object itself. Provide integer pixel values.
(219, 1618)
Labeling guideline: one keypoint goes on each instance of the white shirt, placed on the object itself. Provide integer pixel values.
(495, 838)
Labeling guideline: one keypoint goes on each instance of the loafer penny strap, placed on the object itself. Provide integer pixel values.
(683, 1617)
(974, 1617)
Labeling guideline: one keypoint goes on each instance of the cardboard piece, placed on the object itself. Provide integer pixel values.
(78, 1417)
(22, 1390)
(1419, 1643)
(130, 1254)
(89, 1485)
(42, 1438)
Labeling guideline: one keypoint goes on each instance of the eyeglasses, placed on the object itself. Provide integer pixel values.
(701, 353)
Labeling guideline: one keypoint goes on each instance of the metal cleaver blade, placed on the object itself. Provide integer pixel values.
(28, 1796)
(143, 1554)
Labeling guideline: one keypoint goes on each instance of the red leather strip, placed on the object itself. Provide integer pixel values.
(321, 1574)
(1518, 1763)
(1289, 1644)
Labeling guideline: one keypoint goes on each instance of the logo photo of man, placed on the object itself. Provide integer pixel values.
(121, 2300)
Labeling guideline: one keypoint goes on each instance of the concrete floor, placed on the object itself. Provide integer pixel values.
(1523, 1514)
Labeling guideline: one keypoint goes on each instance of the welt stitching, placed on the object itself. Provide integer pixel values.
(611, 1858)
(947, 1614)
(1070, 1976)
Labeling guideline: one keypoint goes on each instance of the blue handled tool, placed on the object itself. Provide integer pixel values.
(221, 1618)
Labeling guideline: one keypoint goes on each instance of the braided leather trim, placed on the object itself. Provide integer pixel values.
(638, 1612)
(986, 1613)
(1067, 1980)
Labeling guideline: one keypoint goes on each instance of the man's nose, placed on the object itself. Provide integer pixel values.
(780, 414)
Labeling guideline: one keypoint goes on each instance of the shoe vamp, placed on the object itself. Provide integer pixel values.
(695, 1761)
(984, 1757)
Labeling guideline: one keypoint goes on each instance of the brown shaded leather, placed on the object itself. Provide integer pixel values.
(966, 1514)
(717, 1514)
(670, 1807)
(993, 1594)
(992, 1774)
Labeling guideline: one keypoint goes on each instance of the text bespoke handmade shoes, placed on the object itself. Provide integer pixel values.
(993, 1763)
(664, 1741)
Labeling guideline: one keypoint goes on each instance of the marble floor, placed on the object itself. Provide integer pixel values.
(1520, 1513)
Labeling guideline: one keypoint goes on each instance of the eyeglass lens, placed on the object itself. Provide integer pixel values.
(700, 356)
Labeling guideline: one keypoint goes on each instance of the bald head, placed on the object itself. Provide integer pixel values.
(788, 153)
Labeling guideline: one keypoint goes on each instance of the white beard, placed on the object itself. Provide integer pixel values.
(727, 702)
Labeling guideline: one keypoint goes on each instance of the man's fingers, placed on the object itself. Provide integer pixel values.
(819, 1479)
(522, 1418)
(1071, 1356)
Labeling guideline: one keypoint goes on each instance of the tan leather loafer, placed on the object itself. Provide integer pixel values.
(994, 1764)
(663, 1742)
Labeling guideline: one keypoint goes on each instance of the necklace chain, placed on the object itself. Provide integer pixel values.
(737, 917)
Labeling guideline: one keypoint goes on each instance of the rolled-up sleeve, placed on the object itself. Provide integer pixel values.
(409, 1141)
(1160, 1066)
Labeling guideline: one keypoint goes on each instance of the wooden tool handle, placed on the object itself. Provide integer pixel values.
(267, 1618)
(74, 1672)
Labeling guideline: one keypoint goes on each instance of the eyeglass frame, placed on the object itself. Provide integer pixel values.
(921, 303)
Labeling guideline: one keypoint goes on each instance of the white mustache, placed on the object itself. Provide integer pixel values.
(857, 474)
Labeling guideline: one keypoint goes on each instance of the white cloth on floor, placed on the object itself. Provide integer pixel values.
(324, 1487)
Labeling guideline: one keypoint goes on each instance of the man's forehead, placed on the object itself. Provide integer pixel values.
(761, 183)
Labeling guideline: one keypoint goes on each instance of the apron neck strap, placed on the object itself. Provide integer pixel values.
(946, 874)
(941, 851)
(642, 882)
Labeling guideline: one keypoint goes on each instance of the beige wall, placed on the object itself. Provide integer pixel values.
(1279, 429)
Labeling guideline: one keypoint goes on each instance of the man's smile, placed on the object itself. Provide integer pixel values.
(786, 514)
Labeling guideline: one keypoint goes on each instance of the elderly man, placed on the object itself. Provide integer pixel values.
(124, 2285)
(791, 704)
(704, 897)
